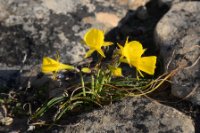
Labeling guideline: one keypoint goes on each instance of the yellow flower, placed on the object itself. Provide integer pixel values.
(94, 39)
(116, 71)
(131, 53)
(121, 48)
(86, 70)
(50, 65)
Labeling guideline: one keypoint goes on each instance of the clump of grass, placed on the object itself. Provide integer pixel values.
(103, 83)
(100, 91)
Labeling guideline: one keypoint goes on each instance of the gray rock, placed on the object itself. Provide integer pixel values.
(178, 34)
(135, 4)
(169, 3)
(133, 115)
(30, 30)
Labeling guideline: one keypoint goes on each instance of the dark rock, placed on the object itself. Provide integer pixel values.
(135, 4)
(178, 34)
(142, 13)
(134, 115)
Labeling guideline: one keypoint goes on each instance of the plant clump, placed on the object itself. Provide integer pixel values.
(104, 82)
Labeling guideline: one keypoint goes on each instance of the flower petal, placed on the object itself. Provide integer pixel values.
(120, 49)
(124, 60)
(49, 65)
(107, 43)
(100, 51)
(89, 53)
(140, 73)
(126, 40)
(49, 68)
(64, 66)
(49, 61)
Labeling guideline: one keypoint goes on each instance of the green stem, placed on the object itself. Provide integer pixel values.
(101, 84)
(83, 84)
(92, 82)
(137, 75)
(97, 79)
(93, 86)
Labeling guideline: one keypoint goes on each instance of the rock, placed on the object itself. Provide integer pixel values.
(169, 3)
(166, 2)
(30, 30)
(107, 19)
(134, 115)
(135, 4)
(177, 34)
(142, 13)
(3, 12)
(18, 125)
(6, 121)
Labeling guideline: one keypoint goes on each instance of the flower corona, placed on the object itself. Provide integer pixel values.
(94, 39)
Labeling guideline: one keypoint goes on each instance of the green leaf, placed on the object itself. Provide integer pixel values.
(48, 105)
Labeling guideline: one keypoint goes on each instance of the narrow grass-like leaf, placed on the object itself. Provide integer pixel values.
(66, 108)
(48, 105)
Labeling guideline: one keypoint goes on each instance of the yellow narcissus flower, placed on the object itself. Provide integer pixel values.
(50, 65)
(131, 53)
(94, 39)
(116, 71)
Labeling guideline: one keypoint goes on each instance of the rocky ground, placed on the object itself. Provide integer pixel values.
(170, 29)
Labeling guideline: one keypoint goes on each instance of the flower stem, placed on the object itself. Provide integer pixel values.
(83, 84)
(92, 82)
(102, 83)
